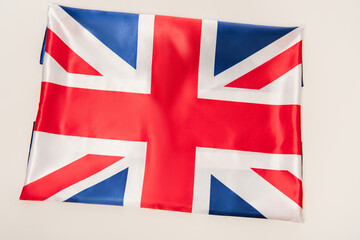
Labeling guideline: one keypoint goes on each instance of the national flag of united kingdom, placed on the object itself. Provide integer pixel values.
(168, 113)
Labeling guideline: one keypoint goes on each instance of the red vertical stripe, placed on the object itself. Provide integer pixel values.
(170, 160)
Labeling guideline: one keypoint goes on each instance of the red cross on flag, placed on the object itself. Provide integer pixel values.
(168, 113)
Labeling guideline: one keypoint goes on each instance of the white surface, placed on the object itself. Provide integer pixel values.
(330, 124)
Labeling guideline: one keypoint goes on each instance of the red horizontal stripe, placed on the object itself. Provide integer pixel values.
(248, 126)
(138, 117)
(93, 113)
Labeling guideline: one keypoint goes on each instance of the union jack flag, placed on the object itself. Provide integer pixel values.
(168, 113)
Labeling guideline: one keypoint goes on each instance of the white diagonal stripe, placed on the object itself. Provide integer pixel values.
(51, 152)
(285, 90)
(233, 168)
(117, 75)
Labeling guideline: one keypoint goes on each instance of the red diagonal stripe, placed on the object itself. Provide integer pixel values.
(66, 57)
(270, 70)
(66, 176)
(284, 181)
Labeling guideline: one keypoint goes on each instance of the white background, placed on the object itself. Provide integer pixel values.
(330, 126)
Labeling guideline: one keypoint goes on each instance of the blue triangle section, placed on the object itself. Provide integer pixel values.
(236, 41)
(110, 191)
(118, 31)
(223, 201)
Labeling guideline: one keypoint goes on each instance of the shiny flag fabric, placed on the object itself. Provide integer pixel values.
(168, 113)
